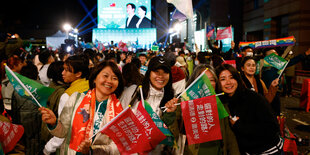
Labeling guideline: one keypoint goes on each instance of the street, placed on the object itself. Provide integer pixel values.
(298, 122)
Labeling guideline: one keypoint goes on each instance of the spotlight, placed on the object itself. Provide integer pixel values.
(178, 27)
(67, 27)
(69, 48)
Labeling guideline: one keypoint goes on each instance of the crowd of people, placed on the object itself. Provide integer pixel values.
(92, 87)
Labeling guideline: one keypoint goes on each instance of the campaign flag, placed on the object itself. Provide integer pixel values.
(37, 90)
(202, 87)
(210, 33)
(160, 125)
(143, 69)
(1, 150)
(128, 133)
(201, 120)
(289, 142)
(144, 115)
(275, 61)
(10, 134)
(224, 33)
(230, 62)
(184, 6)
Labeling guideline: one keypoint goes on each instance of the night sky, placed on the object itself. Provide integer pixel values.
(41, 17)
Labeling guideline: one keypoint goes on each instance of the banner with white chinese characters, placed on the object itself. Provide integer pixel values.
(201, 120)
(10, 134)
(154, 134)
(128, 133)
(288, 41)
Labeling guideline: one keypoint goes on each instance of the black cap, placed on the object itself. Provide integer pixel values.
(159, 62)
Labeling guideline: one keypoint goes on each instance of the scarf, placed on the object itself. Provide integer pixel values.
(83, 118)
(80, 85)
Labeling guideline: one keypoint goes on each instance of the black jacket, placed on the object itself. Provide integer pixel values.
(145, 23)
(133, 22)
(257, 129)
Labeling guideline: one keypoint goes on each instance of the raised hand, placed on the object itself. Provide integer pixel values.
(48, 116)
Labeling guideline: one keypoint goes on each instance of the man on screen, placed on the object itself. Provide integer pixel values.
(143, 22)
(132, 19)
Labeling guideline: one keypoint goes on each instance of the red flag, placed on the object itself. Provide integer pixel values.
(223, 34)
(10, 135)
(128, 133)
(201, 120)
(230, 62)
(210, 33)
(155, 136)
(112, 5)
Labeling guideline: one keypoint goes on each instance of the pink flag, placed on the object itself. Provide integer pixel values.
(201, 120)
(210, 33)
(223, 34)
(230, 62)
(128, 133)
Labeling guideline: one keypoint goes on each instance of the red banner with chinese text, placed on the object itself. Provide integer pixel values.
(155, 136)
(201, 120)
(128, 133)
(10, 134)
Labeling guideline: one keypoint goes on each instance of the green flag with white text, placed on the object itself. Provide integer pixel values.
(160, 124)
(274, 61)
(201, 88)
(39, 91)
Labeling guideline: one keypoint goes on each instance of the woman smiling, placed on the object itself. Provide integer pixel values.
(84, 114)
(252, 120)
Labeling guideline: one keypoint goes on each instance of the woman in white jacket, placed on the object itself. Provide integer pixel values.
(158, 92)
(84, 114)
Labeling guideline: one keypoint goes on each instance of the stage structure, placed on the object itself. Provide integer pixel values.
(128, 21)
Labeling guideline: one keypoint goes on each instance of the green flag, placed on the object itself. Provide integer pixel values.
(202, 87)
(1, 150)
(275, 61)
(38, 91)
(160, 124)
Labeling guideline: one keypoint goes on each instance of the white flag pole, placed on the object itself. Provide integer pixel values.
(110, 122)
(283, 69)
(22, 84)
(141, 93)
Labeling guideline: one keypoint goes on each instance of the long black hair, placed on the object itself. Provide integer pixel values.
(233, 72)
(168, 89)
(131, 75)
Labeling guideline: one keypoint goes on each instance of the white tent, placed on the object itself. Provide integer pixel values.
(56, 40)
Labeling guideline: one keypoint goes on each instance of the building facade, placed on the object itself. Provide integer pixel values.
(270, 19)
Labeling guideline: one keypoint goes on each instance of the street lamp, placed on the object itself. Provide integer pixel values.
(67, 27)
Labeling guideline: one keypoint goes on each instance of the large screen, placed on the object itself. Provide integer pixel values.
(124, 14)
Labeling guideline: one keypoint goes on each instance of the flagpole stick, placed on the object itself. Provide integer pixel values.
(180, 103)
(283, 69)
(193, 82)
(22, 84)
(109, 122)
(141, 93)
